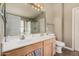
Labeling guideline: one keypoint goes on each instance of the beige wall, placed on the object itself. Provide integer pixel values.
(67, 25)
(49, 13)
(68, 22)
(58, 20)
(54, 17)
(49, 17)
(54, 14)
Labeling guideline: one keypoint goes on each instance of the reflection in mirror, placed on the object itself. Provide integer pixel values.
(23, 19)
(38, 26)
(13, 25)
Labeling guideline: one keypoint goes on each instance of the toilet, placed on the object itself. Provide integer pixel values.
(59, 46)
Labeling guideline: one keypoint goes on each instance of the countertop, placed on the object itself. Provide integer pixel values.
(17, 43)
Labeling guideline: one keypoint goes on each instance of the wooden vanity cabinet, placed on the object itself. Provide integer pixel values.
(46, 49)
(24, 51)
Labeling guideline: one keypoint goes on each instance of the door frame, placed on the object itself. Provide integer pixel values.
(73, 27)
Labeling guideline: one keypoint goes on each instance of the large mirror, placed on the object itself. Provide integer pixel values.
(23, 18)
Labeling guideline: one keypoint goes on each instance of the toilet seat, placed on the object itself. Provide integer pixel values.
(59, 43)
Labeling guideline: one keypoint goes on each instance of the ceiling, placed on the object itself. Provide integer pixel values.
(22, 9)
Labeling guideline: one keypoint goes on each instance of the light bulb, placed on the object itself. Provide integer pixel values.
(36, 8)
(33, 6)
(38, 5)
(41, 7)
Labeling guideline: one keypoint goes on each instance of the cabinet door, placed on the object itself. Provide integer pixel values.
(47, 50)
(48, 47)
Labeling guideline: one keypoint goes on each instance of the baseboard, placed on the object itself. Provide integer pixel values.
(69, 48)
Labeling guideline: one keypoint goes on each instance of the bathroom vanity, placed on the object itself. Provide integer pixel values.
(46, 44)
(26, 23)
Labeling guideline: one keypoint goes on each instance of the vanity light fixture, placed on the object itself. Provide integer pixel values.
(36, 6)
